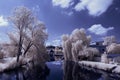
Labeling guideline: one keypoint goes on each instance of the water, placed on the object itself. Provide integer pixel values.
(59, 70)
(56, 70)
(73, 71)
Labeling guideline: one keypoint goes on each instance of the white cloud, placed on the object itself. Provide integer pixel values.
(48, 43)
(94, 7)
(36, 8)
(62, 3)
(3, 38)
(56, 42)
(70, 13)
(67, 13)
(98, 29)
(3, 21)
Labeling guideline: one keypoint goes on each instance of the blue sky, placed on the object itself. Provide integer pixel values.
(100, 18)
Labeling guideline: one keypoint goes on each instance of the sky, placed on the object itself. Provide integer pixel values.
(100, 18)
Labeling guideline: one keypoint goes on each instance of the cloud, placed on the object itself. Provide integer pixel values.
(70, 13)
(36, 8)
(94, 7)
(67, 13)
(56, 42)
(3, 21)
(98, 29)
(48, 43)
(62, 3)
(3, 38)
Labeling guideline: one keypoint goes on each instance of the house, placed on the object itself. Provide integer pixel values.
(99, 45)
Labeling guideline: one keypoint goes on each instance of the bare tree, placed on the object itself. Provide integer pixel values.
(29, 34)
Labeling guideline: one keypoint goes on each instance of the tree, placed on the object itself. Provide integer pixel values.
(104, 58)
(109, 40)
(77, 44)
(113, 48)
(67, 45)
(29, 34)
(111, 44)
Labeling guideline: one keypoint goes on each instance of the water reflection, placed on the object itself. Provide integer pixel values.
(59, 70)
(73, 71)
(37, 73)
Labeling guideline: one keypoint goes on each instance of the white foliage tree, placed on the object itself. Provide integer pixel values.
(89, 52)
(109, 40)
(104, 58)
(1, 52)
(77, 44)
(111, 43)
(76, 48)
(113, 48)
(67, 45)
(30, 35)
(80, 34)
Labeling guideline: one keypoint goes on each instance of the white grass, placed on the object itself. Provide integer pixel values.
(98, 65)
(117, 69)
(10, 63)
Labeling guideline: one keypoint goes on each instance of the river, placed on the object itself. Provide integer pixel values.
(59, 70)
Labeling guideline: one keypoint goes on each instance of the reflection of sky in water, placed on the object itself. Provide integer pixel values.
(57, 62)
(56, 71)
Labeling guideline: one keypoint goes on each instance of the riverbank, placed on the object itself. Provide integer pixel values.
(114, 68)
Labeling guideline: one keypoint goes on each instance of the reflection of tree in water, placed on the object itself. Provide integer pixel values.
(72, 71)
(68, 66)
(37, 73)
